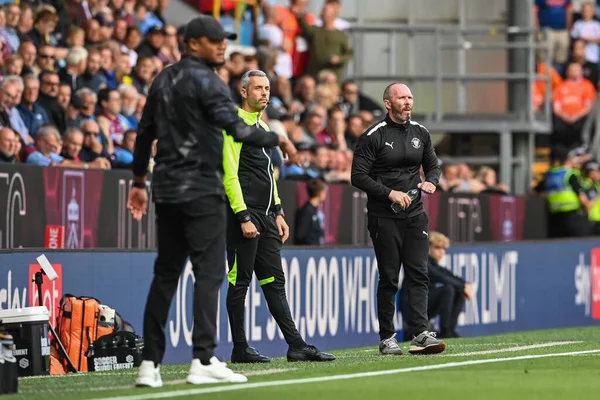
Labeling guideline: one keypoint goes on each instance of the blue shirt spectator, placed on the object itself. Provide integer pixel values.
(553, 13)
(37, 158)
(33, 118)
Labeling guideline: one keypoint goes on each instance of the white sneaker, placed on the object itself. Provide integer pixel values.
(148, 375)
(216, 372)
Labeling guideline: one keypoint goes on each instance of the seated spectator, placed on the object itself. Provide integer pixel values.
(169, 51)
(46, 145)
(110, 119)
(93, 77)
(129, 101)
(49, 83)
(488, 177)
(8, 140)
(273, 35)
(305, 170)
(588, 29)
(10, 32)
(92, 148)
(43, 27)
(12, 91)
(354, 129)
(13, 65)
(310, 227)
(153, 41)
(352, 101)
(28, 53)
(447, 292)
(590, 70)
(143, 74)
(76, 66)
(572, 101)
(304, 91)
(334, 132)
(124, 154)
(72, 144)
(64, 95)
(31, 111)
(313, 124)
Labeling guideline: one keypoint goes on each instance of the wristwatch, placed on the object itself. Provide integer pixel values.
(139, 185)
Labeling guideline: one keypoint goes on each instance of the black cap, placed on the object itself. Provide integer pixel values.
(156, 29)
(207, 25)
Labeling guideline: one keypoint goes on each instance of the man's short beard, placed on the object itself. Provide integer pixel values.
(400, 117)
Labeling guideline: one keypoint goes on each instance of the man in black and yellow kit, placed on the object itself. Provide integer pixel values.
(590, 173)
(256, 231)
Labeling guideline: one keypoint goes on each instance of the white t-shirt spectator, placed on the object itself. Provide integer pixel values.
(588, 29)
(274, 35)
(339, 24)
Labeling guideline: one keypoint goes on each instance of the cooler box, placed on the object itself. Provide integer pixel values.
(29, 328)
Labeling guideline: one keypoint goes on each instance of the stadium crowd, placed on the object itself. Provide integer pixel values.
(75, 76)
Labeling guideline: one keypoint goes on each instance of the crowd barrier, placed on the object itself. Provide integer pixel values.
(518, 286)
(54, 207)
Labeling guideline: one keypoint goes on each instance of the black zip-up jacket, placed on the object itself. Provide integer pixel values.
(187, 109)
(388, 156)
(249, 181)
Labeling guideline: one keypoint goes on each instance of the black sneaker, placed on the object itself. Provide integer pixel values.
(248, 355)
(308, 353)
(426, 343)
(389, 347)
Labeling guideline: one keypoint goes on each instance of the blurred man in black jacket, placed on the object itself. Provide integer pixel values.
(447, 292)
(187, 109)
(309, 225)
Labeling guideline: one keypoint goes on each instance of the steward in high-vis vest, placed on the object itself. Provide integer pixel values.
(591, 184)
(562, 188)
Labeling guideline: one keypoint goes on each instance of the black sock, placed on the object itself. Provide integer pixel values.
(204, 362)
(240, 346)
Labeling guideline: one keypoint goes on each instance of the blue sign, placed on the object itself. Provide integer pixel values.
(332, 292)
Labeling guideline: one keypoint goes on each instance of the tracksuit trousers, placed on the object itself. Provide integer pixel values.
(401, 242)
(261, 255)
(182, 233)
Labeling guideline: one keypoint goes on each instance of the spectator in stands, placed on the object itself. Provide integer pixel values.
(305, 170)
(352, 101)
(124, 154)
(92, 148)
(76, 66)
(8, 140)
(10, 32)
(45, 60)
(43, 27)
(354, 129)
(132, 41)
(590, 70)
(72, 144)
(313, 124)
(169, 51)
(368, 119)
(73, 112)
(556, 15)
(329, 47)
(129, 101)
(274, 36)
(143, 74)
(305, 91)
(110, 118)
(12, 91)
(339, 23)
(153, 41)
(488, 177)
(31, 111)
(447, 292)
(28, 53)
(310, 226)
(93, 77)
(572, 101)
(25, 22)
(334, 132)
(46, 145)
(64, 95)
(13, 65)
(288, 22)
(49, 83)
(89, 100)
(588, 29)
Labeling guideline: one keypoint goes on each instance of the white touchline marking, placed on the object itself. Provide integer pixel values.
(517, 348)
(245, 386)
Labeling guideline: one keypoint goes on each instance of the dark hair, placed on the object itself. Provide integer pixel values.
(314, 187)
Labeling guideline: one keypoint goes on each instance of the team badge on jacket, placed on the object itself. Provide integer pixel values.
(416, 143)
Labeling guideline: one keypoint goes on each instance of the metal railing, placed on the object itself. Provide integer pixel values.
(459, 44)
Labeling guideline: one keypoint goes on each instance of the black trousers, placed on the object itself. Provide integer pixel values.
(261, 255)
(569, 224)
(445, 301)
(195, 230)
(401, 242)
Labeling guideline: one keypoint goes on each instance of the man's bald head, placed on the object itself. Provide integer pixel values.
(393, 88)
(7, 141)
(398, 101)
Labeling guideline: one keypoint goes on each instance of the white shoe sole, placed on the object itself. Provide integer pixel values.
(203, 380)
(148, 382)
